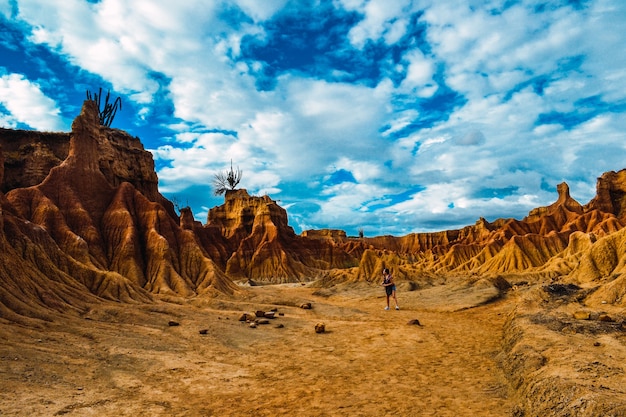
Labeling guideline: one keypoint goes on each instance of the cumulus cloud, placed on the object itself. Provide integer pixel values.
(419, 74)
(26, 103)
(460, 108)
(260, 11)
(382, 20)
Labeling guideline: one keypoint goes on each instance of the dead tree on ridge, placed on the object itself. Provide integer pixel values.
(226, 180)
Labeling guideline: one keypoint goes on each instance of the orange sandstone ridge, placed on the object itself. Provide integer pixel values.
(81, 218)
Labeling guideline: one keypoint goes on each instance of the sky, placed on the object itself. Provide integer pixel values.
(385, 117)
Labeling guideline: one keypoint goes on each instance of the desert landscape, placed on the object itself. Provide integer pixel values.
(112, 302)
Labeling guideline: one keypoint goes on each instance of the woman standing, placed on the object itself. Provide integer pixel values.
(390, 288)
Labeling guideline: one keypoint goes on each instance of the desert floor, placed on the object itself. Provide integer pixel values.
(127, 360)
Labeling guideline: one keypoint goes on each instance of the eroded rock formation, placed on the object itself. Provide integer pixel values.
(82, 221)
(82, 211)
(265, 247)
(96, 227)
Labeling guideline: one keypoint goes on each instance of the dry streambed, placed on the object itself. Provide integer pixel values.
(194, 357)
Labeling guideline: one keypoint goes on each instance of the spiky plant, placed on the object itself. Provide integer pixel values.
(107, 113)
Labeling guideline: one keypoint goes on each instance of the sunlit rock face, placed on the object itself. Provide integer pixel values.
(611, 194)
(96, 226)
(81, 218)
(265, 247)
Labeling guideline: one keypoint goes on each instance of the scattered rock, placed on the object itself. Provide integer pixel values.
(262, 321)
(279, 326)
(173, 323)
(597, 344)
(281, 314)
(582, 315)
(269, 314)
(204, 331)
(260, 313)
(605, 318)
(247, 317)
(252, 325)
(414, 322)
(320, 328)
(306, 306)
(561, 289)
(501, 283)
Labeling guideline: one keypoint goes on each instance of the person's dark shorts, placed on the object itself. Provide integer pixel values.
(389, 290)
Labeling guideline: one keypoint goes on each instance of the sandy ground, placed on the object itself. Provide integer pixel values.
(126, 360)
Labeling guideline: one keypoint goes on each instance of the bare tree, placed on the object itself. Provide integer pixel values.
(177, 205)
(226, 180)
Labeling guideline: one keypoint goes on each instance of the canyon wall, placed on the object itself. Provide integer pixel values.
(82, 218)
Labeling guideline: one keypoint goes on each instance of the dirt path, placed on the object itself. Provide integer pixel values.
(122, 360)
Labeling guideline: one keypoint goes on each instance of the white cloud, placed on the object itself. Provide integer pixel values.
(419, 74)
(6, 8)
(363, 171)
(382, 20)
(27, 104)
(505, 64)
(260, 11)
(400, 120)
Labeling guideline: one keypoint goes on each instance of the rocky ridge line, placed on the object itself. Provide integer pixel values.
(98, 221)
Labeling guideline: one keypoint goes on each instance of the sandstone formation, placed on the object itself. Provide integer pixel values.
(264, 246)
(94, 227)
(83, 210)
(82, 221)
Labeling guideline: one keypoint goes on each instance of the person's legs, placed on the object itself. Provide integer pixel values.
(394, 299)
(387, 301)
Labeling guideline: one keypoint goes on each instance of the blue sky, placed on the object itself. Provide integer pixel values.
(390, 116)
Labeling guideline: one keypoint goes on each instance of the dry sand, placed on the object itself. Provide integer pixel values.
(126, 360)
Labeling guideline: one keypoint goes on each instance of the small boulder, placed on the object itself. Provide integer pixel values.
(172, 323)
(605, 318)
(415, 322)
(306, 306)
(582, 315)
(279, 326)
(269, 314)
(204, 331)
(262, 321)
(252, 325)
(320, 328)
(260, 313)
(247, 317)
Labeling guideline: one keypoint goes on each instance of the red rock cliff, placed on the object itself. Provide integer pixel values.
(81, 213)
(264, 247)
(114, 238)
